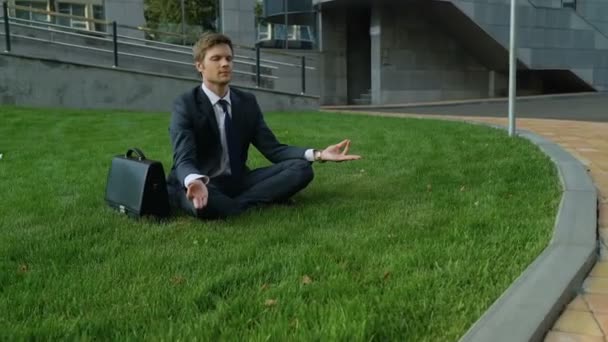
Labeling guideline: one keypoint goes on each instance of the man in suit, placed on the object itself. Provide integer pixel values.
(211, 129)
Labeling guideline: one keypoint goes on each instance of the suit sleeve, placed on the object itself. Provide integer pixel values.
(266, 142)
(181, 132)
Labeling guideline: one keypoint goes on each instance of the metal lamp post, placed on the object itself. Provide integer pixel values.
(512, 70)
(285, 23)
(183, 22)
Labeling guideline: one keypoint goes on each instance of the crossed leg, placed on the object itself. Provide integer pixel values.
(265, 185)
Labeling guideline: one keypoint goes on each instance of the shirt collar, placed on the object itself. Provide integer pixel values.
(213, 98)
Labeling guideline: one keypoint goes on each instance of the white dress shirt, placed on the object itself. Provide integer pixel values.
(224, 167)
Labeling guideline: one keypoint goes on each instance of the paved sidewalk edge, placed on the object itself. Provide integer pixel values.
(530, 306)
(458, 102)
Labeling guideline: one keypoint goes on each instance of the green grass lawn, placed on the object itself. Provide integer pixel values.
(413, 242)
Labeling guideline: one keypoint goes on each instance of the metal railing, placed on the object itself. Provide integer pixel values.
(120, 42)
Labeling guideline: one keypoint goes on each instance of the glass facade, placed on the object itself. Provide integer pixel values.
(77, 10)
(62, 13)
(98, 13)
(169, 20)
(32, 15)
(273, 24)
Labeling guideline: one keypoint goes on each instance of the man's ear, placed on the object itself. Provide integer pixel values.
(199, 66)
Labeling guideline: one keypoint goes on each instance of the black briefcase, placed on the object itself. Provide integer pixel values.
(136, 186)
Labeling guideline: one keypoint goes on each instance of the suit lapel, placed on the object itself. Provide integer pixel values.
(206, 109)
(237, 111)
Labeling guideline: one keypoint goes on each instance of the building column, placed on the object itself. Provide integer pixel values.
(238, 21)
(492, 84)
(332, 73)
(375, 32)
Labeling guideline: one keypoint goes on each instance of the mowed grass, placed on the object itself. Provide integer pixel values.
(411, 243)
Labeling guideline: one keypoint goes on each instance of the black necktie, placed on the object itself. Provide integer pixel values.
(232, 140)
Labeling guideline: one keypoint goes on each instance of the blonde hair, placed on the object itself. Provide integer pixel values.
(206, 41)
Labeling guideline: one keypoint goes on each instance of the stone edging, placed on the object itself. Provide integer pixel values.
(531, 305)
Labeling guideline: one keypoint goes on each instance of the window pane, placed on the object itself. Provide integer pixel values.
(98, 12)
(78, 10)
(39, 17)
(304, 33)
(63, 8)
(263, 31)
(99, 15)
(63, 21)
(79, 24)
(279, 32)
(291, 32)
(21, 14)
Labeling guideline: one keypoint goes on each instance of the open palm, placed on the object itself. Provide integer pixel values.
(338, 152)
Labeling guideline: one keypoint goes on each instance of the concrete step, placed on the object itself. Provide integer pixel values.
(362, 102)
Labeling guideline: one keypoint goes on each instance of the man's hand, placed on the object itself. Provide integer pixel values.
(198, 194)
(338, 152)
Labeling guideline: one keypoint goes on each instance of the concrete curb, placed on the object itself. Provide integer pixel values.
(530, 306)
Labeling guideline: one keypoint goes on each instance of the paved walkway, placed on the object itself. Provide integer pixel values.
(586, 317)
(580, 107)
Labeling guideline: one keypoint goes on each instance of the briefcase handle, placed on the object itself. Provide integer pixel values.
(137, 151)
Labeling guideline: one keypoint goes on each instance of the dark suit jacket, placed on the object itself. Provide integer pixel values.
(195, 134)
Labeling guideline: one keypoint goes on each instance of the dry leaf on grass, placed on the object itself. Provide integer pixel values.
(306, 280)
(270, 302)
(178, 280)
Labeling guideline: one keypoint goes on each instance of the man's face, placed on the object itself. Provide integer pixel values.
(216, 67)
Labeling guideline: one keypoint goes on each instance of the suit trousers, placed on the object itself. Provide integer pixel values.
(230, 197)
